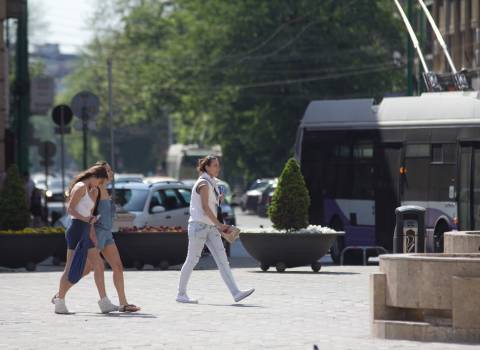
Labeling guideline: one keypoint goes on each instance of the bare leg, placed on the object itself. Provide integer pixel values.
(65, 285)
(98, 271)
(88, 268)
(110, 252)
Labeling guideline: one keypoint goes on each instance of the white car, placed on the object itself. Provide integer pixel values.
(158, 204)
(163, 203)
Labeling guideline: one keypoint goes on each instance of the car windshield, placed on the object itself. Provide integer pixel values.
(259, 185)
(57, 183)
(131, 199)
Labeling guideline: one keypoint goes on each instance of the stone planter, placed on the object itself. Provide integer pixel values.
(160, 249)
(60, 253)
(462, 242)
(284, 250)
(27, 250)
(427, 297)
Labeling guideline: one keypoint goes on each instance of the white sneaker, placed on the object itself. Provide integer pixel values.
(243, 294)
(106, 305)
(183, 298)
(60, 307)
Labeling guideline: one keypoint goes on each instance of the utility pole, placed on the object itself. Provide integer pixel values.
(22, 92)
(110, 121)
(410, 52)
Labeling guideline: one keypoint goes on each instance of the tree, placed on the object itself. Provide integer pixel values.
(241, 73)
(14, 213)
(290, 201)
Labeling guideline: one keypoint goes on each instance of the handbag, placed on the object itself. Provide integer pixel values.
(231, 234)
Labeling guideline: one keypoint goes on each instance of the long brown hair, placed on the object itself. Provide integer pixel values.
(96, 171)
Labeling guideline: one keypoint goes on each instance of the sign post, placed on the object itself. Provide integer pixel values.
(62, 116)
(85, 106)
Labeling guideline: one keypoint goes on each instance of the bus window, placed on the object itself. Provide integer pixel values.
(416, 180)
(363, 171)
(443, 153)
(363, 151)
(342, 151)
(417, 151)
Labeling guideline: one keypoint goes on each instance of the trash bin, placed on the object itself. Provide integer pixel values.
(409, 235)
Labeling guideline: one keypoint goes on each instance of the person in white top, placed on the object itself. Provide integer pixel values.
(204, 228)
(81, 199)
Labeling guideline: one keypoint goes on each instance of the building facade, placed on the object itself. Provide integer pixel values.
(459, 23)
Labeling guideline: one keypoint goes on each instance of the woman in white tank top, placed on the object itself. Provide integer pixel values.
(204, 228)
(82, 196)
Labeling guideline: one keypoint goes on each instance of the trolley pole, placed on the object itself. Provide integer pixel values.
(410, 52)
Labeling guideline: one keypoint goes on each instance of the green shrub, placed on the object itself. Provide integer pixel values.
(14, 213)
(290, 201)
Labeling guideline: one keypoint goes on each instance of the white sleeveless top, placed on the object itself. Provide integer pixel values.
(197, 214)
(85, 204)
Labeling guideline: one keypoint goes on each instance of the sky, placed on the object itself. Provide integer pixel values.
(63, 22)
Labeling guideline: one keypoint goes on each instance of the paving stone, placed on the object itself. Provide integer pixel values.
(291, 310)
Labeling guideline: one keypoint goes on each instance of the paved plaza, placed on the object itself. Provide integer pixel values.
(293, 310)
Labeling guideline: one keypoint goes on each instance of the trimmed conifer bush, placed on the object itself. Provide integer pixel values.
(291, 200)
(14, 213)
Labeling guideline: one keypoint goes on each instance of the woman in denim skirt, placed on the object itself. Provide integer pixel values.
(105, 242)
(82, 196)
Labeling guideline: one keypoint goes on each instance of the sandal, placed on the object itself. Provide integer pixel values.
(128, 308)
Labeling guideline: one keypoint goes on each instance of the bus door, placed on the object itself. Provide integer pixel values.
(469, 186)
(388, 159)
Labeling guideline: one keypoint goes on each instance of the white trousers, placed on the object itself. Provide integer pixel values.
(200, 234)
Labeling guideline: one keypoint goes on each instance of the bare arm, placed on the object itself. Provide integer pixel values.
(75, 197)
(203, 190)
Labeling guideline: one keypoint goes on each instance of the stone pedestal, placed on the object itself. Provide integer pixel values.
(461, 242)
(427, 297)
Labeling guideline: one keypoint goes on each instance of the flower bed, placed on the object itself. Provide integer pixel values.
(34, 230)
(153, 229)
(311, 229)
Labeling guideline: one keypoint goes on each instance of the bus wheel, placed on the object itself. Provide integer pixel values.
(440, 229)
(316, 266)
(264, 266)
(281, 267)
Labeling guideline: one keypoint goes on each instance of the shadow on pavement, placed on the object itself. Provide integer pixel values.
(308, 272)
(117, 314)
(234, 305)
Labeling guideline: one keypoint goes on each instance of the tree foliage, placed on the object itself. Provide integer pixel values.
(290, 201)
(240, 73)
(14, 213)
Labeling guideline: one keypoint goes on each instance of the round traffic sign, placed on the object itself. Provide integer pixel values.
(85, 105)
(62, 112)
(47, 149)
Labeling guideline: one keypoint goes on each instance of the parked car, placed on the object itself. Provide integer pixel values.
(159, 204)
(54, 194)
(227, 209)
(265, 199)
(155, 179)
(250, 199)
(128, 178)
